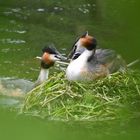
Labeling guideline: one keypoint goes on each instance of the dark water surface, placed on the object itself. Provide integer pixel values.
(27, 25)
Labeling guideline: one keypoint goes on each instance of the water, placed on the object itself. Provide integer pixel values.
(26, 26)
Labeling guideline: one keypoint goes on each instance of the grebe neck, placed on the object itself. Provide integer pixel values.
(43, 76)
(86, 55)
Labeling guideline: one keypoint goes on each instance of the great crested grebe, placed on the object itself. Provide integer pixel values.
(88, 63)
(49, 57)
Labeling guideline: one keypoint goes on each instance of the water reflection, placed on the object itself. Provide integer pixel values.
(12, 90)
(13, 30)
(9, 102)
(40, 10)
(12, 41)
(86, 8)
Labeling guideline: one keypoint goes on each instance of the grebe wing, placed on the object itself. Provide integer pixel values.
(110, 59)
(105, 55)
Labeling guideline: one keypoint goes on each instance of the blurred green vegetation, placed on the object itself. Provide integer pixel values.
(15, 127)
(110, 98)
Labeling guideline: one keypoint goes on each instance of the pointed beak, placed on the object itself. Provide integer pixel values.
(38, 57)
(57, 57)
(61, 58)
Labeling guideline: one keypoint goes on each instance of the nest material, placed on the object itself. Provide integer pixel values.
(110, 98)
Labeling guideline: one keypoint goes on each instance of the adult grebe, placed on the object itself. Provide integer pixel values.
(89, 63)
(49, 57)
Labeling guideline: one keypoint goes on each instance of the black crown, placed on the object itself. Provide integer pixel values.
(50, 50)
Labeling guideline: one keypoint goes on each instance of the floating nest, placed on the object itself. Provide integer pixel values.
(113, 97)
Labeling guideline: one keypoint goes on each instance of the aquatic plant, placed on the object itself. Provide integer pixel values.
(113, 97)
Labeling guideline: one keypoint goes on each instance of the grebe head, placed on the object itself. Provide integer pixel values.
(84, 42)
(49, 57)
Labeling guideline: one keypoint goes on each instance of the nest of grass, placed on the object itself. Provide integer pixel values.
(110, 98)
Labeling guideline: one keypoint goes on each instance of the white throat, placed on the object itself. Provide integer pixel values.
(43, 76)
(75, 67)
(85, 55)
